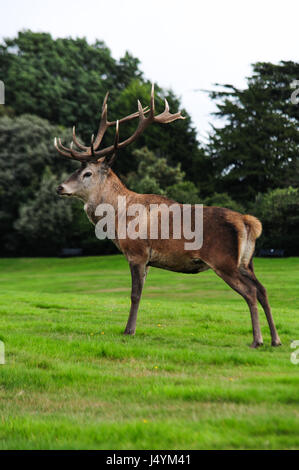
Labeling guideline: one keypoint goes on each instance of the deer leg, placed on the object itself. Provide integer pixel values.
(138, 274)
(263, 300)
(249, 292)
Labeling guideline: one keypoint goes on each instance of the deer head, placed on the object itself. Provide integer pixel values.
(96, 162)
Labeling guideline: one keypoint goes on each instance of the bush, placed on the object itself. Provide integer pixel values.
(278, 211)
(34, 220)
(223, 200)
(43, 223)
(155, 175)
(184, 192)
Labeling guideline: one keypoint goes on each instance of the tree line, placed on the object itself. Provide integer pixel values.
(249, 164)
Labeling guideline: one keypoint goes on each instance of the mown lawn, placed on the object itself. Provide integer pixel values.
(187, 380)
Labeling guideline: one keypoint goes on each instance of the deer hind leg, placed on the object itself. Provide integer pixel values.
(249, 292)
(138, 274)
(263, 300)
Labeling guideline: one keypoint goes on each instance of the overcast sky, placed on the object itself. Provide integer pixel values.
(185, 45)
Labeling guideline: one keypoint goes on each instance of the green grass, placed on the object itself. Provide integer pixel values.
(187, 380)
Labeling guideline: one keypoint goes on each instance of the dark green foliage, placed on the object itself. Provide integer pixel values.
(65, 81)
(156, 175)
(61, 80)
(52, 84)
(257, 148)
(176, 142)
(184, 192)
(223, 200)
(34, 220)
(279, 212)
(153, 174)
(24, 155)
(44, 221)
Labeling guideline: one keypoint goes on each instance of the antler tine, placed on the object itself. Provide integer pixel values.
(115, 146)
(166, 116)
(91, 145)
(105, 101)
(103, 126)
(65, 152)
(140, 111)
(152, 108)
(69, 152)
(146, 109)
(63, 147)
(116, 140)
(76, 141)
(81, 156)
(166, 105)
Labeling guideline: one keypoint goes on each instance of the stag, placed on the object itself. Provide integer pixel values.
(228, 237)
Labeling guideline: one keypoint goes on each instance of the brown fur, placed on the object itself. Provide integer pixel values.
(228, 244)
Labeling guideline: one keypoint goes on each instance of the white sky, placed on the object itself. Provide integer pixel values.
(185, 45)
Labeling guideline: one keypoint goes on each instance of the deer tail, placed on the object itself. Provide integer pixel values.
(253, 230)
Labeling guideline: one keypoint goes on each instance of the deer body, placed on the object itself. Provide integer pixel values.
(228, 237)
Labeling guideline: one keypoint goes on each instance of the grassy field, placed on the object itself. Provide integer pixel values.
(187, 380)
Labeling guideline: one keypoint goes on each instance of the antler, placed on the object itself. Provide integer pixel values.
(93, 154)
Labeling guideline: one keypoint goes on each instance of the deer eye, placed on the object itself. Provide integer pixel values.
(87, 174)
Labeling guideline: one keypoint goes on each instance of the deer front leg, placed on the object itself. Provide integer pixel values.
(138, 274)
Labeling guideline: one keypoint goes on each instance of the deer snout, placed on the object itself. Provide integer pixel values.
(59, 189)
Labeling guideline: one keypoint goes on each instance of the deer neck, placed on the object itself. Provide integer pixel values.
(107, 193)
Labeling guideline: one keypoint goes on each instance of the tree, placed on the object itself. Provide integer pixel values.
(65, 81)
(153, 170)
(223, 200)
(155, 175)
(44, 221)
(184, 192)
(176, 142)
(279, 212)
(62, 80)
(26, 151)
(34, 220)
(257, 148)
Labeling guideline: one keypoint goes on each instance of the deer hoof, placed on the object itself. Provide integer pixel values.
(129, 331)
(256, 344)
(276, 342)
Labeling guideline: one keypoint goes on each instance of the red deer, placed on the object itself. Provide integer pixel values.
(228, 237)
